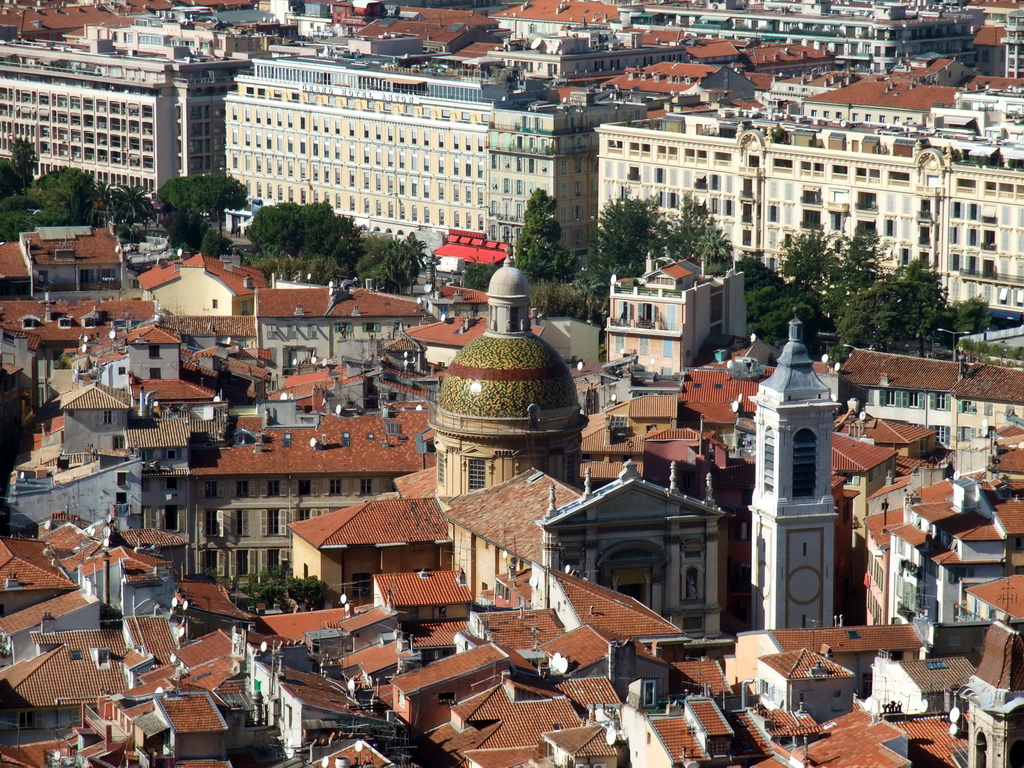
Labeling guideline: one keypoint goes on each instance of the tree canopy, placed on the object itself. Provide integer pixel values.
(208, 193)
(69, 193)
(393, 264)
(539, 251)
(24, 161)
(627, 232)
(309, 231)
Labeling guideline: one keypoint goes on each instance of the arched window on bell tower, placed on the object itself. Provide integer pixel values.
(805, 458)
(769, 460)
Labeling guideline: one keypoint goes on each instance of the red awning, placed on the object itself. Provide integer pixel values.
(470, 253)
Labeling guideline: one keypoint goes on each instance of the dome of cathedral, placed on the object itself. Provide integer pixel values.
(507, 282)
(498, 376)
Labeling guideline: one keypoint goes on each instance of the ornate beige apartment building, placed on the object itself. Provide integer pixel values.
(956, 205)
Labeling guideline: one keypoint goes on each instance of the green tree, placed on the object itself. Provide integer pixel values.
(269, 588)
(187, 229)
(24, 161)
(208, 193)
(10, 182)
(131, 205)
(279, 225)
(770, 309)
(103, 203)
(558, 299)
(970, 316)
(13, 223)
(478, 276)
(321, 271)
(923, 300)
(627, 231)
(308, 591)
(539, 252)
(756, 275)
(714, 251)
(68, 193)
(395, 265)
(811, 261)
(874, 317)
(214, 243)
(310, 231)
(691, 233)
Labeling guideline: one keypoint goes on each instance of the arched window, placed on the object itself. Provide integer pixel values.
(1017, 754)
(769, 459)
(805, 458)
(981, 751)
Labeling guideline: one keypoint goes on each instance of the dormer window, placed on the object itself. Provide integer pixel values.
(89, 321)
(30, 322)
(63, 322)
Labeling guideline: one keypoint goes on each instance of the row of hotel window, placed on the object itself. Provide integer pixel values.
(304, 487)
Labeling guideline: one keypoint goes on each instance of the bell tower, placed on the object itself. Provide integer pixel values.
(793, 512)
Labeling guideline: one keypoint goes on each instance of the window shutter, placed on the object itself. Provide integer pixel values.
(147, 517)
(263, 488)
(931, 400)
(220, 489)
(264, 519)
(244, 517)
(159, 519)
(220, 561)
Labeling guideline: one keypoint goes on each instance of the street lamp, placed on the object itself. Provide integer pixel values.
(955, 335)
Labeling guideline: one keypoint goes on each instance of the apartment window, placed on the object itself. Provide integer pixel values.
(942, 435)
(241, 522)
(241, 488)
(210, 489)
(241, 562)
(27, 719)
(273, 558)
(477, 474)
(273, 522)
(211, 523)
(968, 406)
(108, 417)
(361, 583)
(305, 487)
(171, 517)
(963, 433)
(154, 351)
(337, 486)
(273, 487)
(366, 486)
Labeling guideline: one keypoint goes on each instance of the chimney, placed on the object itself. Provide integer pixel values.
(247, 283)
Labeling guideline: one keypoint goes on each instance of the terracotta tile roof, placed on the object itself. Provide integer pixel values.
(366, 454)
(295, 625)
(664, 77)
(506, 514)
(205, 649)
(867, 369)
(653, 407)
(154, 635)
(607, 470)
(677, 738)
(989, 35)
(25, 562)
(780, 722)
(95, 397)
(991, 382)
(231, 277)
(313, 302)
(714, 413)
(710, 717)
(316, 690)
(967, 526)
(159, 433)
(929, 744)
(882, 92)
(933, 675)
(382, 521)
(191, 713)
(897, 484)
(93, 249)
(594, 443)
(784, 53)
(59, 675)
(486, 656)
(12, 263)
(849, 455)
(796, 665)
(587, 741)
(368, 618)
(1003, 594)
(469, 295)
(522, 714)
(434, 634)
(174, 390)
(853, 741)
(711, 385)
(417, 485)
(422, 588)
(374, 660)
(100, 314)
(47, 22)
(211, 598)
(148, 537)
(859, 639)
(700, 675)
(612, 611)
(456, 332)
(235, 326)
(585, 691)
(365, 755)
(879, 525)
(521, 630)
(710, 48)
(882, 431)
(33, 615)
(576, 11)
(153, 334)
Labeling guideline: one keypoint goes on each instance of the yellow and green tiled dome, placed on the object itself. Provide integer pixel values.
(501, 376)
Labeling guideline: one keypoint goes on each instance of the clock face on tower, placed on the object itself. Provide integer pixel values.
(804, 585)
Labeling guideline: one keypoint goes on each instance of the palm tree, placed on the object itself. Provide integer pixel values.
(132, 205)
(103, 202)
(24, 159)
(715, 251)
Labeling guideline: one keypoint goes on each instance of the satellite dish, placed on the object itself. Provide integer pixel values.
(313, 361)
(106, 543)
(309, 276)
(85, 348)
(352, 685)
(534, 582)
(609, 736)
(444, 316)
(428, 287)
(956, 475)
(824, 358)
(343, 598)
(954, 715)
(337, 409)
(739, 397)
(106, 531)
(330, 284)
(728, 365)
(284, 396)
(753, 338)
(184, 606)
(568, 569)
(181, 631)
(358, 746)
(836, 367)
(984, 425)
(953, 730)
(579, 366)
(263, 647)
(295, 361)
(863, 416)
(174, 602)
(159, 689)
(615, 278)
(46, 525)
(174, 658)
(325, 761)
(419, 407)
(112, 334)
(180, 251)
(734, 407)
(228, 340)
(312, 442)
(614, 397)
